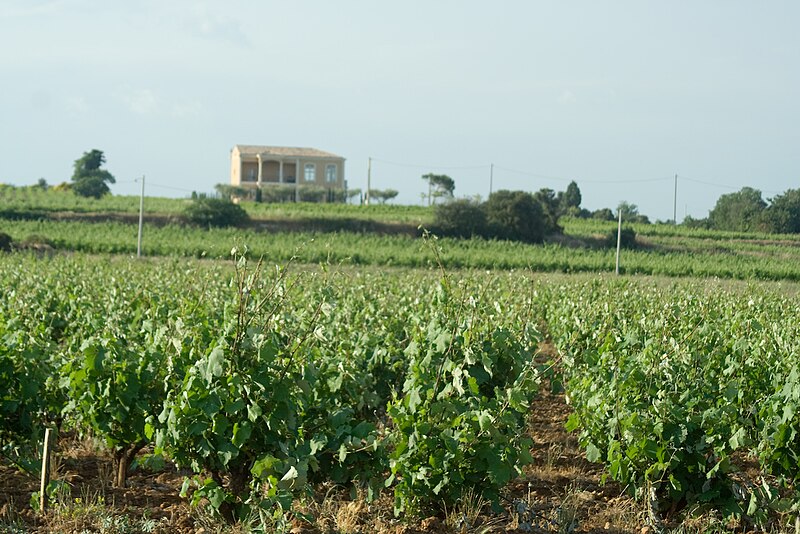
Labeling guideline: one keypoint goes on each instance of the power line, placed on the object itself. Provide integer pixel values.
(642, 181)
(712, 184)
(416, 165)
(724, 186)
(533, 175)
(492, 167)
(170, 187)
(561, 179)
(150, 184)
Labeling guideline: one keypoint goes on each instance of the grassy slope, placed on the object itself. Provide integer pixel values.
(665, 249)
(52, 201)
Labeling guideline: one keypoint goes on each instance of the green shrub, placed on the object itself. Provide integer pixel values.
(459, 425)
(511, 215)
(36, 243)
(627, 238)
(516, 216)
(205, 211)
(34, 240)
(5, 242)
(460, 218)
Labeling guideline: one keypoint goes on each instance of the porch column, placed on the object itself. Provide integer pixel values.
(260, 168)
(280, 170)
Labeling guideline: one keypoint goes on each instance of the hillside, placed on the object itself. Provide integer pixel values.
(384, 235)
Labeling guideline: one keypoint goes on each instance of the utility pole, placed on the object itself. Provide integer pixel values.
(369, 179)
(675, 203)
(491, 178)
(429, 192)
(141, 221)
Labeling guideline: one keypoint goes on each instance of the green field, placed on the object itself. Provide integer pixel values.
(24, 200)
(369, 377)
(386, 235)
(283, 362)
(738, 257)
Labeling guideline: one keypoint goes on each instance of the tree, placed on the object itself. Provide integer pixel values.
(691, 222)
(515, 215)
(311, 193)
(739, 212)
(89, 180)
(460, 218)
(630, 213)
(783, 214)
(383, 194)
(439, 185)
(352, 193)
(604, 214)
(570, 200)
(279, 193)
(231, 191)
(550, 207)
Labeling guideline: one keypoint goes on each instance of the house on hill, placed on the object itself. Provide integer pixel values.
(263, 166)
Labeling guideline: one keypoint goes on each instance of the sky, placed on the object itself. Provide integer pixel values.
(619, 96)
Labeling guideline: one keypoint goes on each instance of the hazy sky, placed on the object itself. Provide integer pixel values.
(618, 95)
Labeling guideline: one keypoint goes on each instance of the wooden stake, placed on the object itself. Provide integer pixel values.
(619, 239)
(45, 471)
(141, 222)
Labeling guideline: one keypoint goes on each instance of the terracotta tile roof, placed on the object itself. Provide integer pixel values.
(286, 151)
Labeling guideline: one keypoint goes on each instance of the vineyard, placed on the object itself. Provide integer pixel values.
(24, 201)
(681, 255)
(263, 385)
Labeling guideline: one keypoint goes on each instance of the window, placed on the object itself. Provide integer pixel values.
(251, 174)
(311, 172)
(330, 174)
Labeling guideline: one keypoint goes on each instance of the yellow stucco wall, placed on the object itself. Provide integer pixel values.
(244, 170)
